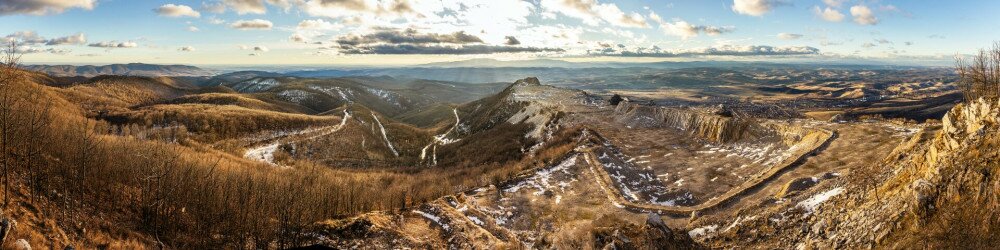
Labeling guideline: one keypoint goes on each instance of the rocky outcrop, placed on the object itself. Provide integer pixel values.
(937, 190)
(705, 124)
(654, 234)
(7, 226)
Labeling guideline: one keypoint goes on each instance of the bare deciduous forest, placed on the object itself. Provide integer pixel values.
(151, 172)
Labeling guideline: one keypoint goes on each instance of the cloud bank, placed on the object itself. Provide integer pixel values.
(172, 10)
(255, 24)
(42, 7)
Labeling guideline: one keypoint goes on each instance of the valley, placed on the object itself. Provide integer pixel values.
(499, 124)
(415, 163)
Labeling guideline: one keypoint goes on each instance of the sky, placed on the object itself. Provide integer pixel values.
(407, 32)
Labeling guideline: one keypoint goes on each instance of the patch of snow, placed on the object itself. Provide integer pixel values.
(441, 139)
(702, 231)
(294, 95)
(816, 200)
(541, 180)
(388, 96)
(256, 85)
(384, 136)
(265, 153)
(476, 220)
(343, 93)
(433, 218)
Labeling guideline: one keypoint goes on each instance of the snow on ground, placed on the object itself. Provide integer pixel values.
(441, 139)
(388, 96)
(476, 220)
(542, 180)
(343, 93)
(738, 221)
(816, 200)
(295, 95)
(702, 231)
(265, 153)
(384, 136)
(256, 85)
(686, 198)
(434, 218)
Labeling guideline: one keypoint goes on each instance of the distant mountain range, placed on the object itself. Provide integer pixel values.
(472, 70)
(132, 69)
(553, 63)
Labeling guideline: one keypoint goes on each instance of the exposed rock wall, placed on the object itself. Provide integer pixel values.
(706, 125)
(939, 187)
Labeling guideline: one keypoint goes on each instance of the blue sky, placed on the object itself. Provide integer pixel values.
(399, 32)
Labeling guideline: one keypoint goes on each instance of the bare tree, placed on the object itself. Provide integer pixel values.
(37, 121)
(9, 61)
(980, 75)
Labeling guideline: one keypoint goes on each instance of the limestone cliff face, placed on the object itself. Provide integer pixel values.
(704, 124)
(938, 185)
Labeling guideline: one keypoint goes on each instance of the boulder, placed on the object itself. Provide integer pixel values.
(22, 244)
(7, 226)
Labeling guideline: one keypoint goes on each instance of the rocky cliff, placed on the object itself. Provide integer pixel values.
(937, 190)
(705, 124)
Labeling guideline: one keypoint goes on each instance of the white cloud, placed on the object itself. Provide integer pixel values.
(257, 49)
(259, 24)
(686, 30)
(246, 6)
(828, 14)
(834, 3)
(215, 20)
(186, 49)
(42, 7)
(193, 29)
(217, 8)
(284, 4)
(863, 15)
(755, 7)
(25, 38)
(299, 38)
(173, 10)
(318, 24)
(789, 36)
(30, 50)
(360, 8)
(592, 12)
(308, 30)
(79, 38)
(721, 50)
(114, 44)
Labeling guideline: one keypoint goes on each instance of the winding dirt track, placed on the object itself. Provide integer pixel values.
(816, 141)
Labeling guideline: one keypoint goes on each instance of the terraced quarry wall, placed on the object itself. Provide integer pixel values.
(706, 125)
(801, 142)
(811, 143)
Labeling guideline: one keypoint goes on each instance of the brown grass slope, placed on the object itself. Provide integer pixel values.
(100, 188)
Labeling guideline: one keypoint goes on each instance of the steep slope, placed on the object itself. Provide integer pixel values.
(936, 190)
(516, 121)
(120, 92)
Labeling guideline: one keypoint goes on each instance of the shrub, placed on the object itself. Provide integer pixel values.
(980, 75)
